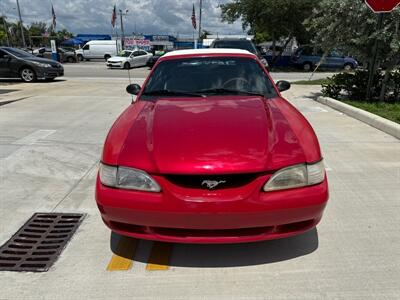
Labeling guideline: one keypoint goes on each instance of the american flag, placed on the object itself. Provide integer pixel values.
(114, 16)
(194, 18)
(54, 17)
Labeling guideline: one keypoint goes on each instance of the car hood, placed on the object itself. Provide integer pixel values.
(210, 136)
(117, 58)
(43, 61)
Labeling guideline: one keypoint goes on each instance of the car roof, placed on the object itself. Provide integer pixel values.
(210, 51)
(232, 40)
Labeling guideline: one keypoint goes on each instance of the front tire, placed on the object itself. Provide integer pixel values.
(348, 67)
(80, 57)
(127, 66)
(307, 67)
(27, 75)
(70, 59)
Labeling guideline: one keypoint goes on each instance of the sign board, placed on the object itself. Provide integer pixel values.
(53, 46)
(131, 43)
(382, 6)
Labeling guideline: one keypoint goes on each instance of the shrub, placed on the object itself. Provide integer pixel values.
(352, 86)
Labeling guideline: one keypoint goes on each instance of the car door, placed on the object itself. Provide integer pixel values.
(5, 64)
(335, 60)
(143, 58)
(135, 59)
(86, 51)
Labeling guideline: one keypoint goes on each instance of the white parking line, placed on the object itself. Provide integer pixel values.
(32, 138)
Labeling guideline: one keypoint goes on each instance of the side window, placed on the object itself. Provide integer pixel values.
(142, 53)
(86, 47)
(136, 53)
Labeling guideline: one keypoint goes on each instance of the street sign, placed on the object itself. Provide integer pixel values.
(382, 6)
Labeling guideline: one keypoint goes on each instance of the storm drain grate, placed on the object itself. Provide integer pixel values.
(38, 244)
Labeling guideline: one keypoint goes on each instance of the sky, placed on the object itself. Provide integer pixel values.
(147, 16)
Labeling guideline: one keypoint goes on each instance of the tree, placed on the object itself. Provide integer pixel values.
(351, 26)
(204, 34)
(271, 19)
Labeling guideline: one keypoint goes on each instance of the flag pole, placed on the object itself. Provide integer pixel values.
(200, 12)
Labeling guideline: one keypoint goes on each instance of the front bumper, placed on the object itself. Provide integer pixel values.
(166, 217)
(114, 64)
(47, 73)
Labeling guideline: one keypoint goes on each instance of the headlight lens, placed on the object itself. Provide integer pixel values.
(42, 64)
(296, 176)
(127, 178)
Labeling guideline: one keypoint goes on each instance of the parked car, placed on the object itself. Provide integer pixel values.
(210, 152)
(65, 55)
(128, 59)
(307, 58)
(152, 61)
(98, 50)
(244, 44)
(16, 63)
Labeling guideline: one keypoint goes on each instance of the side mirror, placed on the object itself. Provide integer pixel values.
(133, 89)
(283, 85)
(6, 56)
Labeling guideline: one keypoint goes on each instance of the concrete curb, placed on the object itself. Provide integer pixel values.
(378, 122)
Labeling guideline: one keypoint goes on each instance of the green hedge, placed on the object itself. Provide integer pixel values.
(353, 86)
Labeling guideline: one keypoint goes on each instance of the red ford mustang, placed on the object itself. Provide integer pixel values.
(211, 153)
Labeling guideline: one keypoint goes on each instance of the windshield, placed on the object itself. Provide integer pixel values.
(125, 53)
(208, 77)
(244, 45)
(18, 52)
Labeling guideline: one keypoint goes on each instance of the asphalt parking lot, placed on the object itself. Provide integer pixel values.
(50, 143)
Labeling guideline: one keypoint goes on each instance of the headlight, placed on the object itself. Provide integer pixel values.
(41, 64)
(127, 178)
(296, 176)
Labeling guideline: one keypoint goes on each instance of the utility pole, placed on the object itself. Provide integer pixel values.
(121, 14)
(22, 26)
(200, 12)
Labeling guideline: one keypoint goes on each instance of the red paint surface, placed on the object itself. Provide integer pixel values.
(380, 6)
(212, 136)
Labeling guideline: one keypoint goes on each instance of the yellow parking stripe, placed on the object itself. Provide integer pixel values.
(159, 257)
(122, 261)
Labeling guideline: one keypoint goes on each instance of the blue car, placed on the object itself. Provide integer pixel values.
(307, 58)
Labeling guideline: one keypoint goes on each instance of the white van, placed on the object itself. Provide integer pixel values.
(99, 49)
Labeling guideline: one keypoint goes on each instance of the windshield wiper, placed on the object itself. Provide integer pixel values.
(229, 91)
(171, 93)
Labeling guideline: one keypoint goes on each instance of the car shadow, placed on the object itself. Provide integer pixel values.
(313, 95)
(227, 255)
(16, 80)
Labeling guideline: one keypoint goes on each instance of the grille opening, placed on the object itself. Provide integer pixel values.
(34, 230)
(20, 246)
(38, 259)
(33, 265)
(59, 236)
(5, 265)
(9, 258)
(14, 252)
(29, 235)
(225, 181)
(23, 241)
(48, 247)
(44, 253)
(39, 225)
(43, 221)
(60, 231)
